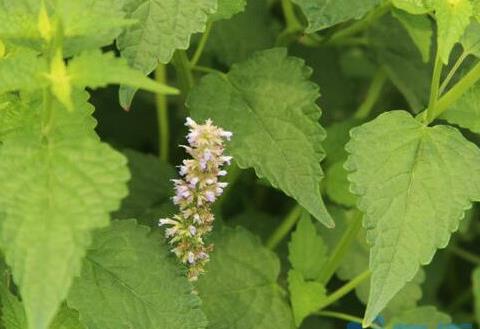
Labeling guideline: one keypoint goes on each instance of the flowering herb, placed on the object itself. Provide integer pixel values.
(196, 191)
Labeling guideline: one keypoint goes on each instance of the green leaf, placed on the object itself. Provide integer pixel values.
(306, 296)
(240, 290)
(476, 292)
(426, 317)
(420, 30)
(163, 26)
(95, 69)
(414, 184)
(322, 14)
(307, 251)
(260, 95)
(415, 7)
(402, 61)
(130, 280)
(453, 17)
(471, 39)
(57, 188)
(234, 40)
(338, 187)
(67, 318)
(337, 138)
(149, 188)
(228, 8)
(22, 70)
(465, 112)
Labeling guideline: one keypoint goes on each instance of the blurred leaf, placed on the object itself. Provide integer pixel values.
(338, 187)
(322, 14)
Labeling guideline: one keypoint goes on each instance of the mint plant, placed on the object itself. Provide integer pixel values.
(350, 132)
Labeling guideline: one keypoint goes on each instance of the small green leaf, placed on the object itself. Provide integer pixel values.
(465, 112)
(163, 26)
(307, 251)
(306, 296)
(235, 40)
(426, 317)
(414, 184)
(420, 30)
(471, 39)
(129, 280)
(259, 95)
(453, 17)
(415, 7)
(240, 290)
(57, 188)
(322, 14)
(228, 8)
(338, 187)
(95, 69)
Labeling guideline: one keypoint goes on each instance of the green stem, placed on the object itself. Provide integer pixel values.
(452, 72)
(341, 249)
(162, 115)
(464, 254)
(282, 231)
(360, 25)
(373, 95)
(184, 72)
(293, 24)
(201, 45)
(460, 300)
(435, 85)
(205, 69)
(456, 92)
(343, 316)
(345, 289)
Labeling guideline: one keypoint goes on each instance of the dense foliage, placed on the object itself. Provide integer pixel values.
(352, 132)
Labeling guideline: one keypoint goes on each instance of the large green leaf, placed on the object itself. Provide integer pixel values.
(465, 112)
(239, 290)
(58, 185)
(453, 17)
(269, 104)
(22, 69)
(130, 280)
(163, 26)
(414, 184)
(325, 13)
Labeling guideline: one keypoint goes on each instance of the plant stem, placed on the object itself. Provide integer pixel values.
(456, 92)
(435, 85)
(343, 316)
(162, 115)
(452, 72)
(205, 69)
(373, 95)
(464, 254)
(293, 24)
(201, 45)
(341, 248)
(360, 25)
(344, 290)
(281, 232)
(184, 71)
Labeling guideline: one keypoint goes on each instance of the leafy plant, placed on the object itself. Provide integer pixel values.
(351, 128)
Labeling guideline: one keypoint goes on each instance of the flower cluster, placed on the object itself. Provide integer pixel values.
(198, 188)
